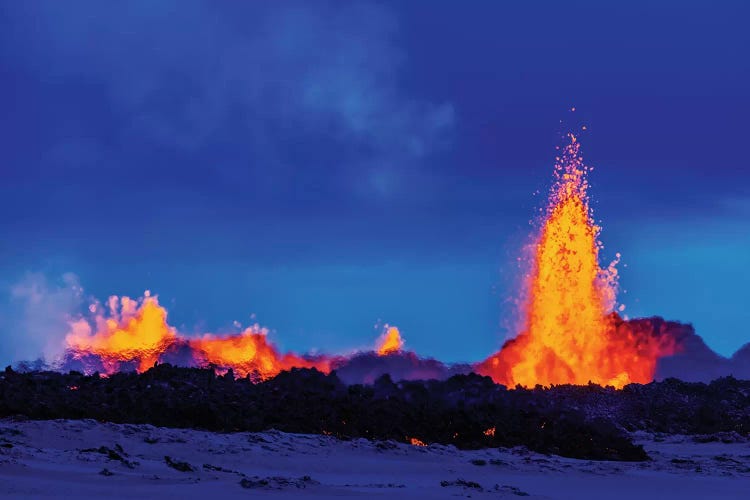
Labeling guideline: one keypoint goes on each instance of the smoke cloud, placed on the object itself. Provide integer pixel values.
(188, 75)
(34, 316)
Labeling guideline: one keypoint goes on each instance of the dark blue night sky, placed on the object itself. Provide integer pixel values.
(326, 165)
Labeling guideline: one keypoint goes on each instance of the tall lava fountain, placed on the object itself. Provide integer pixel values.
(571, 334)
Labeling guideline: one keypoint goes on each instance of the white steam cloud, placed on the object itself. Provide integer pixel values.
(34, 317)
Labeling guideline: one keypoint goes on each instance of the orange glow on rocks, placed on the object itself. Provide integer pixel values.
(570, 337)
(390, 341)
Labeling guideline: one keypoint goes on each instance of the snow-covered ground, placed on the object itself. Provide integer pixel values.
(87, 459)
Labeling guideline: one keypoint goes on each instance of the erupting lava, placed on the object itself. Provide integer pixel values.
(250, 352)
(390, 342)
(131, 332)
(135, 333)
(571, 335)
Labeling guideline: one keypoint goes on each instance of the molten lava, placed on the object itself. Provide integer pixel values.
(132, 331)
(390, 341)
(135, 333)
(416, 442)
(570, 333)
(570, 337)
(250, 353)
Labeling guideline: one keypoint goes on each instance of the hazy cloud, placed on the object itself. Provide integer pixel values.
(34, 316)
(272, 83)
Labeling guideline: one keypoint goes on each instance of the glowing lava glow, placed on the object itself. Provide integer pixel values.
(132, 331)
(570, 335)
(390, 341)
(135, 333)
(416, 442)
(250, 353)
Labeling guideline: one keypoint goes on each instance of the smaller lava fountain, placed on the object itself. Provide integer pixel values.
(129, 332)
(390, 342)
(134, 334)
(571, 335)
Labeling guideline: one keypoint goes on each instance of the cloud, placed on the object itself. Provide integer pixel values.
(271, 84)
(34, 316)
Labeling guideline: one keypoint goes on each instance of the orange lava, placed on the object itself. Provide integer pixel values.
(570, 334)
(136, 332)
(416, 442)
(390, 341)
(570, 337)
(132, 331)
(250, 353)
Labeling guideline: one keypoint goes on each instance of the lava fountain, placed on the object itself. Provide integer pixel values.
(130, 334)
(126, 332)
(571, 334)
(133, 334)
(390, 341)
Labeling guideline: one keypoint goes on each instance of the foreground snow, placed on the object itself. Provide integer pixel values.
(77, 459)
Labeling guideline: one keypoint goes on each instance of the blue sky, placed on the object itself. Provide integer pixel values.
(329, 165)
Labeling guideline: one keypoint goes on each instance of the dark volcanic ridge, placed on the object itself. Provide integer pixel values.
(468, 411)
